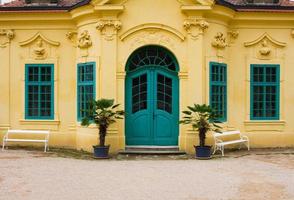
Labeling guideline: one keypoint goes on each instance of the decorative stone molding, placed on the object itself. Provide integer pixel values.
(8, 34)
(153, 37)
(263, 37)
(232, 36)
(219, 41)
(152, 26)
(72, 36)
(197, 2)
(84, 40)
(39, 50)
(40, 47)
(109, 28)
(264, 50)
(36, 37)
(201, 24)
(265, 47)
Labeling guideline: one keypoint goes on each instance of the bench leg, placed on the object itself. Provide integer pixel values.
(45, 147)
(223, 150)
(248, 146)
(214, 149)
(3, 144)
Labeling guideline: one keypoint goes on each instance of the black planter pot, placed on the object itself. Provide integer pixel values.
(203, 152)
(101, 152)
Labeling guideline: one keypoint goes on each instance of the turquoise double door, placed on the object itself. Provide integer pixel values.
(152, 106)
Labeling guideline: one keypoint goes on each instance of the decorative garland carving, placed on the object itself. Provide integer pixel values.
(9, 34)
(200, 23)
(72, 36)
(109, 28)
(232, 36)
(219, 41)
(84, 40)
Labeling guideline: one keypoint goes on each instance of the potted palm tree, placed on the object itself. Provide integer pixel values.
(103, 113)
(203, 119)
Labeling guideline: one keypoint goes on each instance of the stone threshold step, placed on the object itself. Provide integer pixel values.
(152, 148)
(152, 152)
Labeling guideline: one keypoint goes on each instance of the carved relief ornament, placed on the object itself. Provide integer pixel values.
(84, 40)
(39, 46)
(201, 24)
(8, 34)
(219, 41)
(265, 45)
(72, 36)
(109, 28)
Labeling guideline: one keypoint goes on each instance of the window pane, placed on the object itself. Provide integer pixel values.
(218, 89)
(264, 92)
(139, 93)
(86, 88)
(39, 92)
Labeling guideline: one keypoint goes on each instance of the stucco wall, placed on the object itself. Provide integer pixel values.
(187, 29)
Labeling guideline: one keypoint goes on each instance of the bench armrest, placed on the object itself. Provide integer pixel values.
(244, 137)
(217, 140)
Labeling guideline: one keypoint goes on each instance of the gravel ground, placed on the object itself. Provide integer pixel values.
(38, 176)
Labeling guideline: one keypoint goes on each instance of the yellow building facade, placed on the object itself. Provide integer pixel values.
(238, 60)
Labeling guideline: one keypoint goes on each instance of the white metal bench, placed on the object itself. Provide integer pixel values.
(220, 143)
(29, 132)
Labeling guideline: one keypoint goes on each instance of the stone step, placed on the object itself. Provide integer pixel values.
(152, 150)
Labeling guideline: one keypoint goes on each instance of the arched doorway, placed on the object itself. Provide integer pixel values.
(152, 97)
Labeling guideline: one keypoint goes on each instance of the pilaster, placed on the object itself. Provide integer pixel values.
(5, 50)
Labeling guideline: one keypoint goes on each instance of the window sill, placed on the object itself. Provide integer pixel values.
(265, 125)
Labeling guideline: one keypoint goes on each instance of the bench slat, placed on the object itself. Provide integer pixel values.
(232, 142)
(226, 133)
(24, 140)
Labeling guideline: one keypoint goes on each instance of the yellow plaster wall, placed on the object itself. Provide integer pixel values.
(146, 22)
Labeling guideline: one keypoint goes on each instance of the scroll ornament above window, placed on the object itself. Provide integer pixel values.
(5, 36)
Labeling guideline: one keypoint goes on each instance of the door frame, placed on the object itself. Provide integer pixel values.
(156, 69)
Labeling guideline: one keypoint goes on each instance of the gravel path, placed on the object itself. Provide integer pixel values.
(34, 175)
